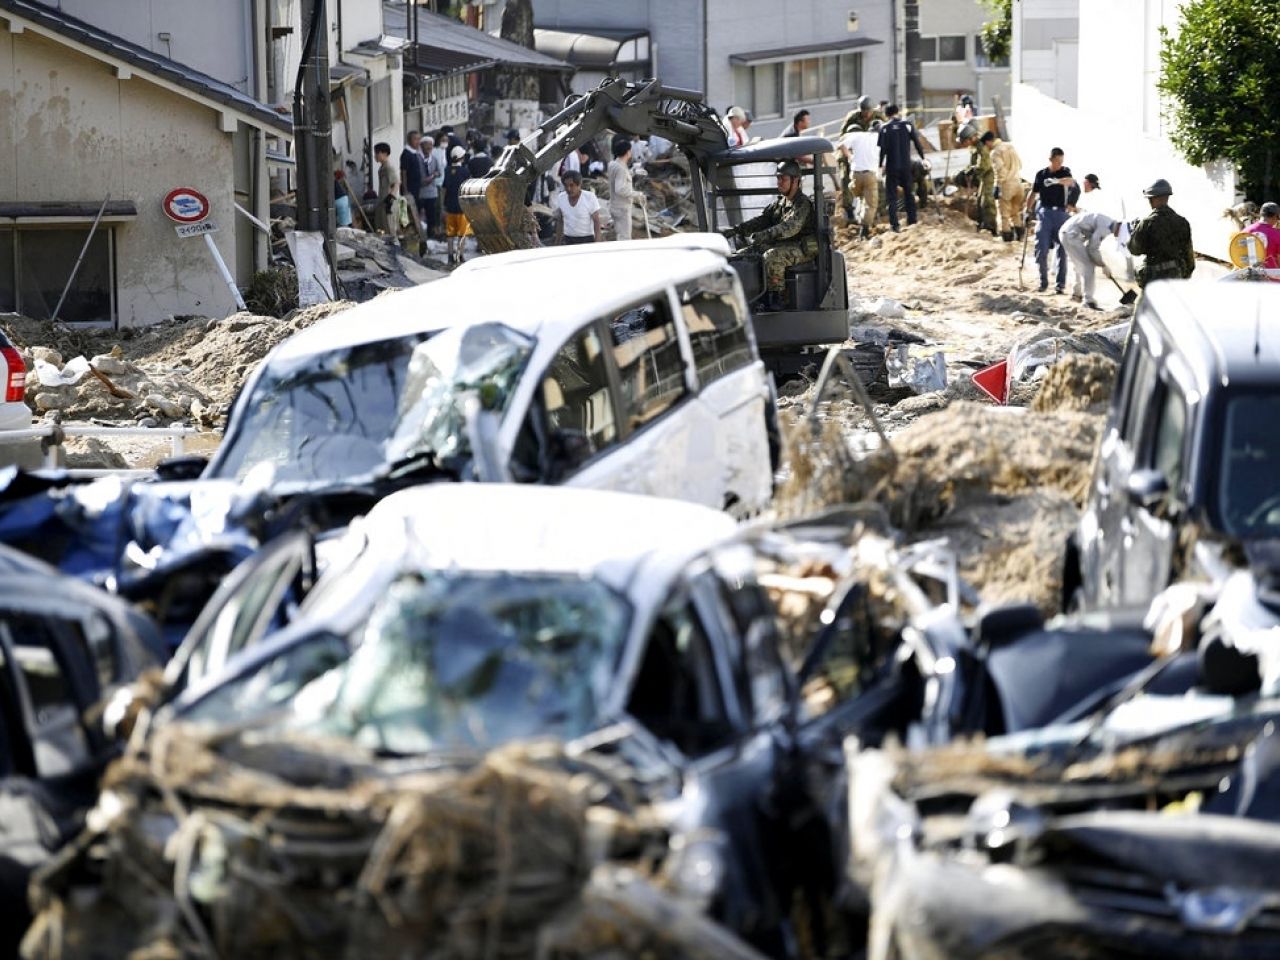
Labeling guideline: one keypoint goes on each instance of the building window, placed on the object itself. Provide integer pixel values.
(380, 103)
(815, 79)
(34, 266)
(980, 58)
(949, 49)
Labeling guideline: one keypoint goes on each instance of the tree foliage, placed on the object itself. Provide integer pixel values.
(997, 33)
(1222, 75)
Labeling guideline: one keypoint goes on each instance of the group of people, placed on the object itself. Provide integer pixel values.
(1072, 220)
(422, 191)
(877, 141)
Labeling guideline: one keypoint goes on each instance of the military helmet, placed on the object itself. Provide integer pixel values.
(788, 168)
(1160, 188)
(864, 103)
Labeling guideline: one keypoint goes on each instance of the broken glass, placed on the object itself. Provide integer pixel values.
(353, 413)
(475, 660)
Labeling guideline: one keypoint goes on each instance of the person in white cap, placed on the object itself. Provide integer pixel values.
(733, 128)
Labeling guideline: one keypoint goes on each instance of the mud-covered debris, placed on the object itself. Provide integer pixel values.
(1077, 382)
(260, 846)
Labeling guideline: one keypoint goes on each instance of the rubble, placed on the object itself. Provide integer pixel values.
(1077, 382)
(251, 844)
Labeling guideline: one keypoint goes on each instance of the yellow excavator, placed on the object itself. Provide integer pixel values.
(495, 203)
(728, 185)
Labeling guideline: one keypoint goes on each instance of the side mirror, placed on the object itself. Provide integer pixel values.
(1147, 488)
(189, 467)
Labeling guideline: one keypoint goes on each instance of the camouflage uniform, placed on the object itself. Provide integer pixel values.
(1008, 169)
(788, 230)
(983, 174)
(855, 121)
(1165, 239)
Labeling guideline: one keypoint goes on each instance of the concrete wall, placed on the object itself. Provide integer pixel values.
(675, 30)
(1046, 44)
(942, 80)
(212, 36)
(70, 130)
(1126, 159)
(743, 26)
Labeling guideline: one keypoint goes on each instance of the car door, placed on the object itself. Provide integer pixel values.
(659, 454)
(259, 596)
(734, 399)
(684, 692)
(572, 422)
(1102, 548)
(1148, 532)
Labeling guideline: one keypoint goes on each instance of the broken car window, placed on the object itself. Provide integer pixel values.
(1248, 496)
(576, 406)
(646, 349)
(350, 412)
(1166, 453)
(717, 327)
(676, 693)
(462, 661)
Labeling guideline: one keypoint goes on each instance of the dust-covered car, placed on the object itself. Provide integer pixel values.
(632, 367)
(65, 649)
(1142, 822)
(716, 671)
(1190, 460)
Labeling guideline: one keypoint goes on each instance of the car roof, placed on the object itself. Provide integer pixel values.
(551, 291)
(545, 529)
(1225, 331)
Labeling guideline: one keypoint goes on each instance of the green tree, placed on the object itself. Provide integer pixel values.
(1222, 75)
(997, 33)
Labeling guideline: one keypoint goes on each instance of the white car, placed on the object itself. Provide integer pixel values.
(625, 366)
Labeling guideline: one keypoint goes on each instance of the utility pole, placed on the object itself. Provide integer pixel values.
(911, 27)
(313, 130)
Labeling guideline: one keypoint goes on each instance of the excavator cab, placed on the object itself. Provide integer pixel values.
(728, 186)
(741, 182)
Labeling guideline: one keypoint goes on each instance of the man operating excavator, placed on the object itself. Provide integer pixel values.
(786, 232)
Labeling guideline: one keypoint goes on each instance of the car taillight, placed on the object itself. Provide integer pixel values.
(15, 383)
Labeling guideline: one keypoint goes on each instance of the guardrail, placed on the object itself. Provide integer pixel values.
(52, 435)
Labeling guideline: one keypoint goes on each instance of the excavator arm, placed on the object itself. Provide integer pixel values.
(495, 203)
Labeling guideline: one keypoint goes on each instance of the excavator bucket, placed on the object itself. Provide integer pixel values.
(494, 206)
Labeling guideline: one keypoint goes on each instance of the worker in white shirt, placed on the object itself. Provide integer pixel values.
(1081, 238)
(861, 149)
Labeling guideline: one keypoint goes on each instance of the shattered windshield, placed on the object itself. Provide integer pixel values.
(459, 661)
(1248, 487)
(356, 411)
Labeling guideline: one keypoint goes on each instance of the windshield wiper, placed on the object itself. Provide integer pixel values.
(420, 465)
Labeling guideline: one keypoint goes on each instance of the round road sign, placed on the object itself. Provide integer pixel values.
(186, 205)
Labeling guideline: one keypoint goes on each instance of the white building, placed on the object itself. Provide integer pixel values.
(952, 59)
(1084, 78)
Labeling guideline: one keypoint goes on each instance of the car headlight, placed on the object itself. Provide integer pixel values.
(696, 867)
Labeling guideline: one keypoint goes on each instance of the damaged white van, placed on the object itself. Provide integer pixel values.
(624, 366)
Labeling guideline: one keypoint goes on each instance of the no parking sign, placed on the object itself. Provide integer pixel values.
(186, 205)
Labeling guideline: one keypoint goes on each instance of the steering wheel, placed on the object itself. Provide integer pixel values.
(1258, 513)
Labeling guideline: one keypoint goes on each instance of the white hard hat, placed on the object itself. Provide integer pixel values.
(457, 153)
(737, 113)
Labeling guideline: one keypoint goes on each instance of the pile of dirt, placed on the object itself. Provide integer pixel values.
(1076, 382)
(178, 370)
(1003, 485)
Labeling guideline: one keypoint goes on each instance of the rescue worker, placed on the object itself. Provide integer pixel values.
(786, 231)
(897, 137)
(982, 175)
(1163, 237)
(1009, 192)
(861, 118)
